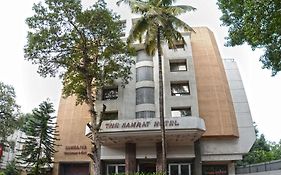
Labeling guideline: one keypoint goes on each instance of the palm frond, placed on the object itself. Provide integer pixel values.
(167, 2)
(178, 23)
(178, 9)
(151, 40)
(139, 7)
(137, 30)
(123, 1)
(172, 35)
(155, 14)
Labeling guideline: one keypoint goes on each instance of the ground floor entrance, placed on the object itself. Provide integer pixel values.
(150, 167)
(174, 167)
(74, 169)
(147, 167)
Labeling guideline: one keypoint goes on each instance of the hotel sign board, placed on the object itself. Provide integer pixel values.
(152, 124)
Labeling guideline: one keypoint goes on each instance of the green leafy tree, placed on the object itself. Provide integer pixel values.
(261, 151)
(84, 47)
(276, 150)
(158, 24)
(9, 111)
(256, 23)
(11, 169)
(39, 144)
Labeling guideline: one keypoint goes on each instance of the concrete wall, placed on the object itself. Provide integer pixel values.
(226, 148)
(127, 95)
(241, 107)
(222, 102)
(276, 172)
(189, 75)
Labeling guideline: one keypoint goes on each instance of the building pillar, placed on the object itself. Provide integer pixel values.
(55, 170)
(197, 161)
(103, 168)
(231, 168)
(130, 158)
(159, 157)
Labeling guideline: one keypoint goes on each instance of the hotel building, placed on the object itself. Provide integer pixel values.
(207, 117)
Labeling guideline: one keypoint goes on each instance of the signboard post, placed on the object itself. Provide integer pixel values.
(1, 150)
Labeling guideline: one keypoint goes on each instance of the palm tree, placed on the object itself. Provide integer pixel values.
(158, 23)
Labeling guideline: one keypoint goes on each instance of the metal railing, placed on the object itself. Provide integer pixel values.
(260, 167)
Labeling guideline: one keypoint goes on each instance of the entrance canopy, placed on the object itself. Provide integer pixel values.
(178, 130)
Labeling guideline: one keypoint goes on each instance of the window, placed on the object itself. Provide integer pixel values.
(179, 169)
(181, 112)
(145, 114)
(145, 73)
(178, 66)
(113, 169)
(111, 115)
(179, 45)
(180, 88)
(145, 95)
(215, 169)
(110, 93)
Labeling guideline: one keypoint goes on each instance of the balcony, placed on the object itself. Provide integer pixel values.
(178, 130)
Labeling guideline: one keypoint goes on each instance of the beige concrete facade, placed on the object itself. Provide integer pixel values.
(214, 98)
(72, 120)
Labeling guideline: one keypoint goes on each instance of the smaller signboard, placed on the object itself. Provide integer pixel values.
(75, 149)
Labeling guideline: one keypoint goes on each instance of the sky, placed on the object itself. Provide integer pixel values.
(263, 91)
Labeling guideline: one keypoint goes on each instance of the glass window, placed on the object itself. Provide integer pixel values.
(180, 89)
(110, 93)
(181, 112)
(111, 115)
(184, 169)
(145, 95)
(177, 46)
(121, 168)
(178, 66)
(145, 114)
(144, 73)
(174, 170)
(113, 169)
(179, 169)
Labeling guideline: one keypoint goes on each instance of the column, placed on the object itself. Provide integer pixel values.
(159, 157)
(197, 161)
(231, 168)
(130, 158)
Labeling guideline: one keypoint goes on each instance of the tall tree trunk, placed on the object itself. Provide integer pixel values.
(161, 103)
(96, 146)
(38, 156)
(95, 126)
